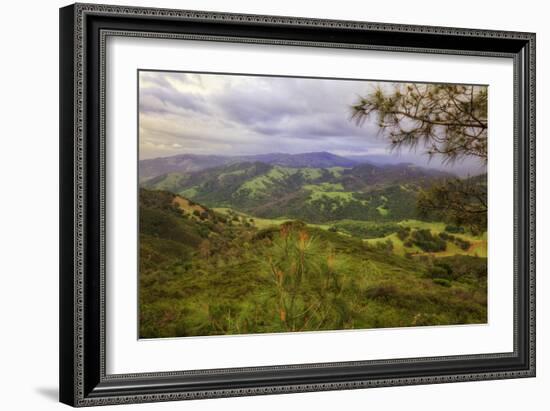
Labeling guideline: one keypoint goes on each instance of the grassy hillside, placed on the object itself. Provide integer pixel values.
(316, 195)
(209, 271)
(456, 243)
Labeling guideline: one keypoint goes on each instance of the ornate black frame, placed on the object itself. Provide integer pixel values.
(83, 30)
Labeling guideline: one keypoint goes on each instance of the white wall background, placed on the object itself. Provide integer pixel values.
(29, 205)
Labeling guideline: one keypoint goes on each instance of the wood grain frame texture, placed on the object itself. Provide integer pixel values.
(83, 32)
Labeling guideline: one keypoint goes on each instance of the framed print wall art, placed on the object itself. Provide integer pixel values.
(260, 204)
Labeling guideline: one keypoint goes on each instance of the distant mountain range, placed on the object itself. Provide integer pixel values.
(185, 163)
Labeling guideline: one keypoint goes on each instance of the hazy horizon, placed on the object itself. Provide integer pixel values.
(236, 115)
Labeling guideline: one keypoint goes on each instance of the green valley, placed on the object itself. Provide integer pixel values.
(251, 247)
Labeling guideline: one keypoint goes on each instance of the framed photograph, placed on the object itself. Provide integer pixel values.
(261, 204)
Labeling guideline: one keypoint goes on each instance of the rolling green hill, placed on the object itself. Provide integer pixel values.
(207, 271)
(280, 243)
(313, 194)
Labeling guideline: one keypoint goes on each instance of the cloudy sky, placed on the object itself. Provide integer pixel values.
(237, 115)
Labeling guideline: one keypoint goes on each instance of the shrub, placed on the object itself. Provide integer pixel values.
(446, 266)
(463, 244)
(437, 272)
(403, 233)
(427, 242)
(386, 246)
(384, 291)
(442, 281)
(454, 229)
(467, 268)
